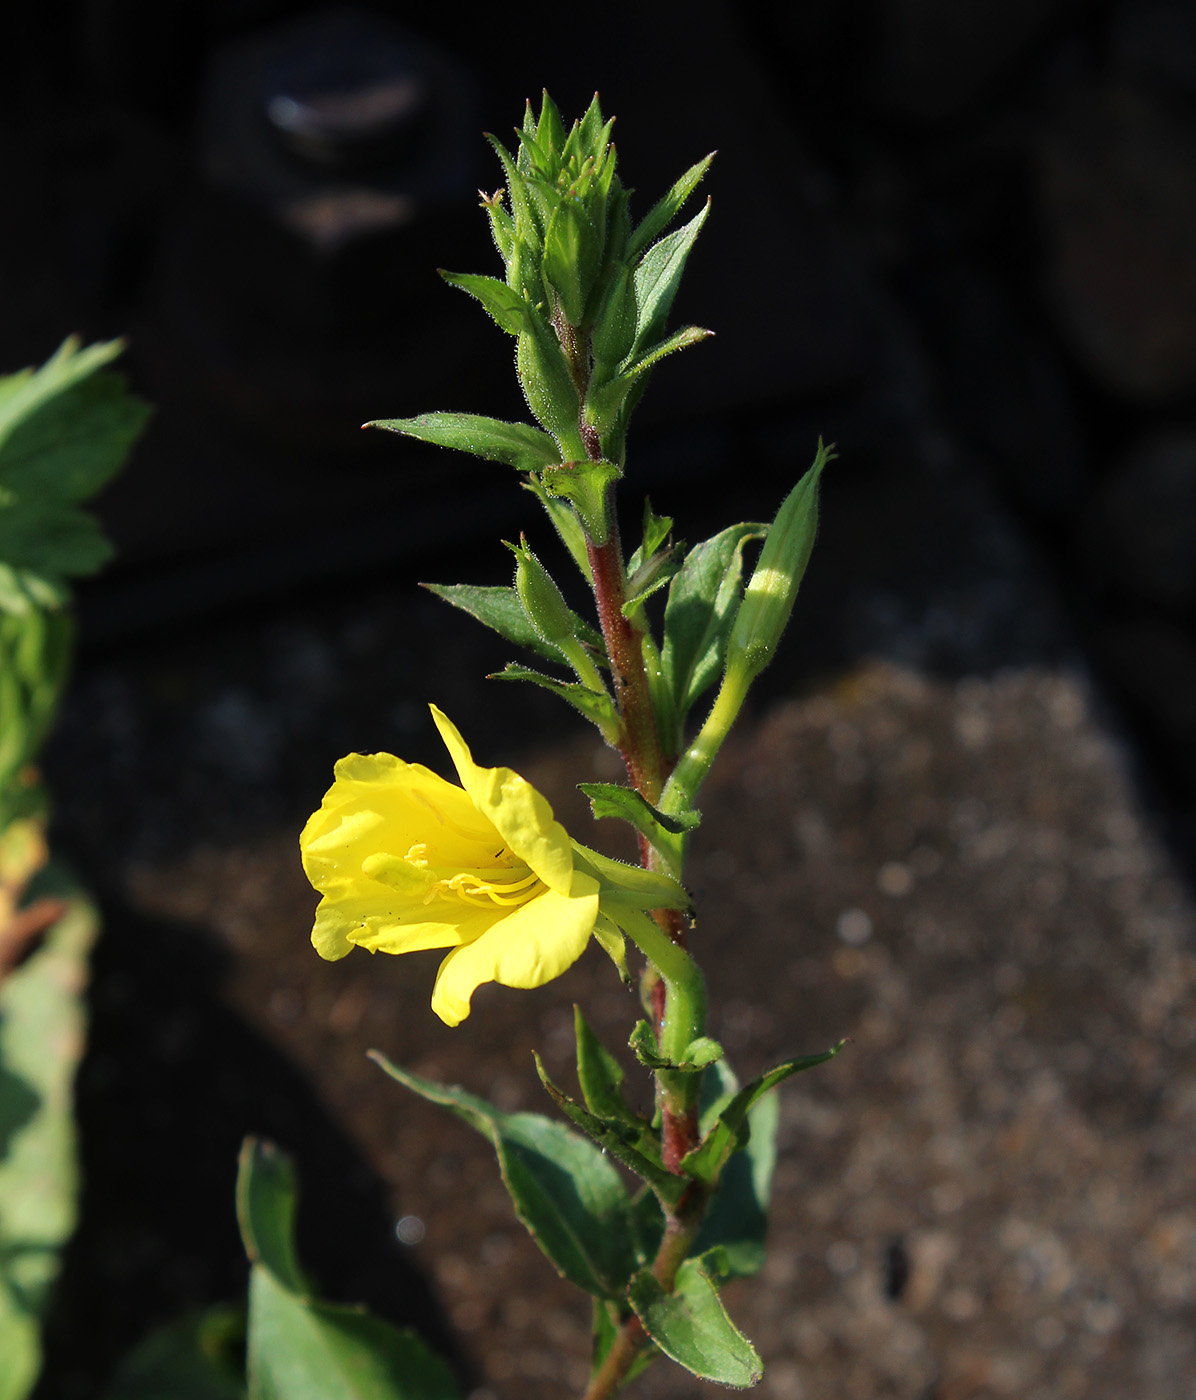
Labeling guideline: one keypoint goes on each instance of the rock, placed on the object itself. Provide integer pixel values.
(1141, 529)
(1116, 189)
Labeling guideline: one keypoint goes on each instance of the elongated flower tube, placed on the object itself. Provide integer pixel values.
(405, 861)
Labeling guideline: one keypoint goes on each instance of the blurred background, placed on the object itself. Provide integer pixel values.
(960, 241)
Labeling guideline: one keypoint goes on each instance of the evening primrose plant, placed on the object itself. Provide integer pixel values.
(405, 860)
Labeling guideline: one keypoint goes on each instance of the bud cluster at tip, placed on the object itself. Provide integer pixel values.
(586, 294)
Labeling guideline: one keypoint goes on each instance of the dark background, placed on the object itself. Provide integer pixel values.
(959, 240)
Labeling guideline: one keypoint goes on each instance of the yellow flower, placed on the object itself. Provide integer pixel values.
(405, 861)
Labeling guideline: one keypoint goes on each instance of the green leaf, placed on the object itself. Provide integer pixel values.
(663, 212)
(42, 1019)
(633, 1145)
(599, 1074)
(706, 1161)
(199, 1358)
(64, 432)
(266, 1195)
(691, 1326)
(597, 707)
(656, 531)
(703, 600)
(565, 1191)
(737, 1219)
(517, 445)
(679, 340)
(657, 278)
(550, 130)
(504, 304)
(499, 607)
(586, 484)
(300, 1350)
(566, 524)
(625, 804)
(528, 231)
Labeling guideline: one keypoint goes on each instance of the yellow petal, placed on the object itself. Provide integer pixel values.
(521, 815)
(530, 946)
(368, 921)
(379, 803)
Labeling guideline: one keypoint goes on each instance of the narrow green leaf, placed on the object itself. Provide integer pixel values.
(597, 707)
(699, 1053)
(266, 1197)
(498, 607)
(517, 445)
(679, 340)
(504, 305)
(657, 278)
(550, 130)
(703, 599)
(691, 1326)
(566, 524)
(625, 804)
(633, 1145)
(706, 1161)
(599, 1074)
(663, 212)
(565, 1191)
(656, 531)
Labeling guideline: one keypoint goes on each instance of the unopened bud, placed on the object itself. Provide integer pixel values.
(770, 594)
(546, 609)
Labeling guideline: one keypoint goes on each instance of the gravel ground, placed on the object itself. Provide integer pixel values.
(987, 1194)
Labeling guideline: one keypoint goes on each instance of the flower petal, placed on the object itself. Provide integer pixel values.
(530, 946)
(379, 803)
(369, 921)
(521, 815)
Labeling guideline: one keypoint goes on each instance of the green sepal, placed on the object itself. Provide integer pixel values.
(506, 307)
(657, 278)
(700, 1052)
(629, 886)
(550, 130)
(548, 387)
(656, 531)
(597, 706)
(615, 322)
(624, 1142)
(516, 445)
(691, 1326)
(499, 607)
(200, 1358)
(736, 1220)
(625, 804)
(609, 937)
(606, 1328)
(586, 484)
(704, 597)
(730, 1131)
(572, 252)
(566, 524)
(665, 210)
(566, 1193)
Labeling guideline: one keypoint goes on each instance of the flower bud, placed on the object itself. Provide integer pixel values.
(769, 597)
(546, 609)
